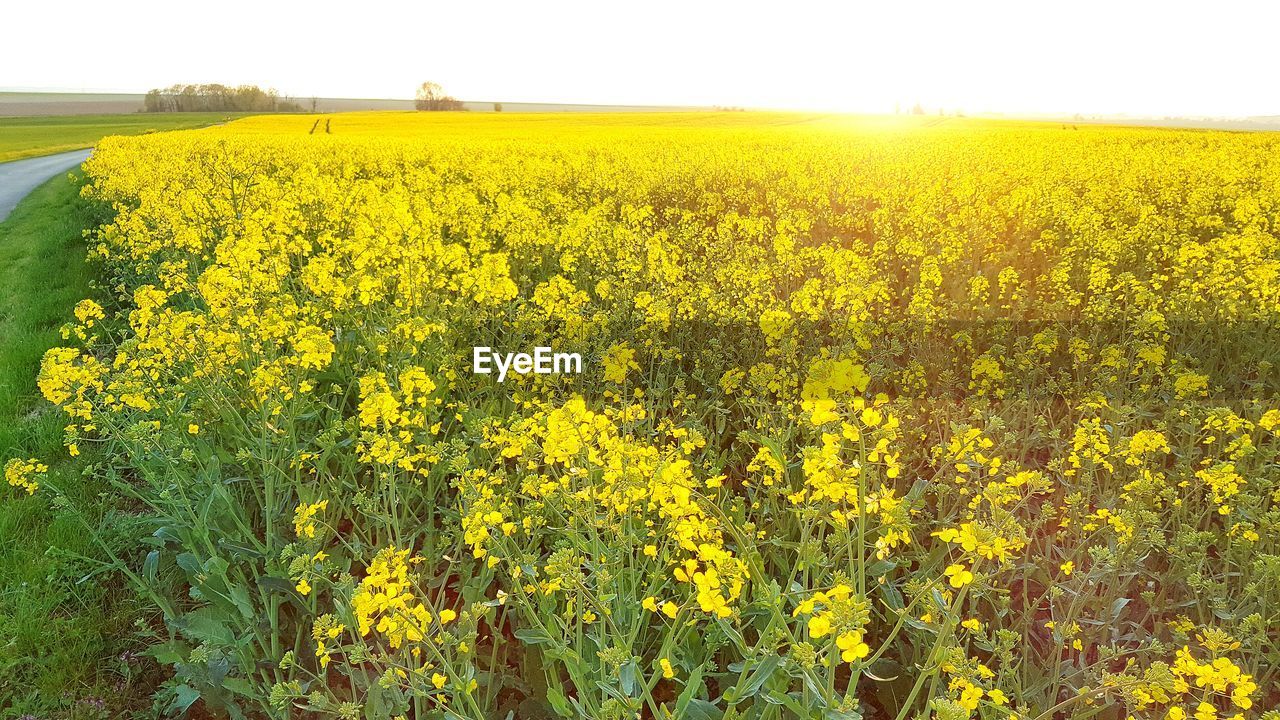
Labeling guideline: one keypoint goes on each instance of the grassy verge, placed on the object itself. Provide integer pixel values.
(59, 619)
(22, 137)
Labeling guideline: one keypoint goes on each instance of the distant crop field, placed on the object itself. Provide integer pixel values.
(48, 103)
(22, 137)
(877, 418)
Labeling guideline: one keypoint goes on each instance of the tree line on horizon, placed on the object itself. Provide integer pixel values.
(214, 97)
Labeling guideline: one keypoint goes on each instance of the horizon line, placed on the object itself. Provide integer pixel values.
(930, 110)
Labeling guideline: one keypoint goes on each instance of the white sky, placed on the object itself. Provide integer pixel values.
(1027, 56)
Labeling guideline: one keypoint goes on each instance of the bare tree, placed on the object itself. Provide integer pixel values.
(431, 97)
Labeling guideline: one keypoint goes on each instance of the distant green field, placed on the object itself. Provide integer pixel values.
(22, 137)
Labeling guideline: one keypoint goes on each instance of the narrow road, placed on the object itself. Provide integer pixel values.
(20, 177)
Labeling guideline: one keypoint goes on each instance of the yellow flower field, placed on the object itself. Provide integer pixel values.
(878, 417)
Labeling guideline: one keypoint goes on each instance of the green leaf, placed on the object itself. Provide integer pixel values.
(559, 702)
(170, 653)
(167, 534)
(880, 567)
(611, 691)
(184, 696)
(629, 677)
(240, 596)
(883, 670)
(282, 586)
(235, 548)
(151, 566)
(374, 703)
(691, 688)
(532, 636)
(241, 686)
(701, 710)
(205, 625)
(892, 597)
(759, 676)
(190, 564)
(790, 702)
(1117, 607)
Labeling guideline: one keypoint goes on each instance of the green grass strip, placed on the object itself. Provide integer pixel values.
(59, 618)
